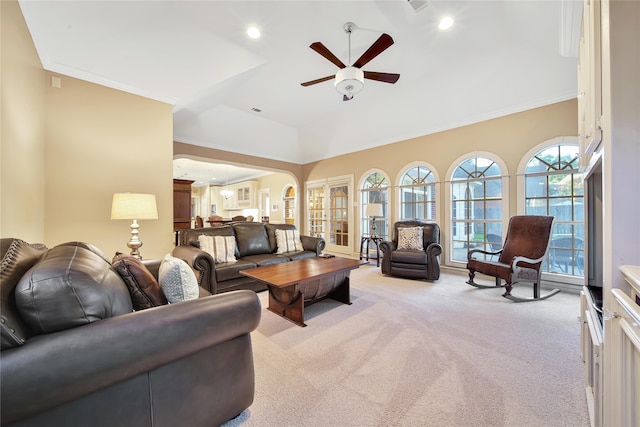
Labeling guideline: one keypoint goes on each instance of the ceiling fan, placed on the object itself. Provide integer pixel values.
(349, 80)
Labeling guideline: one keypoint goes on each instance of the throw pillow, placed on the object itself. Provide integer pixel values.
(410, 238)
(288, 241)
(221, 248)
(177, 280)
(144, 288)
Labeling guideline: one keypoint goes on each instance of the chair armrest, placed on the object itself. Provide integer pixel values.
(386, 247)
(522, 259)
(201, 263)
(433, 263)
(313, 244)
(52, 369)
(480, 251)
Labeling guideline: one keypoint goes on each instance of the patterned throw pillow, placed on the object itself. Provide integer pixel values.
(288, 241)
(410, 238)
(177, 280)
(221, 248)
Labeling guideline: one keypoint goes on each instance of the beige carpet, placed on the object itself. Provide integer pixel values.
(414, 353)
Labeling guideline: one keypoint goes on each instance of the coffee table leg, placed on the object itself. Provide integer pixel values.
(288, 303)
(342, 293)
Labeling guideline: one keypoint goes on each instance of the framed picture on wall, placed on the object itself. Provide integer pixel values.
(213, 209)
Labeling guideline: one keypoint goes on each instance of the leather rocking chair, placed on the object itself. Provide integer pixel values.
(520, 258)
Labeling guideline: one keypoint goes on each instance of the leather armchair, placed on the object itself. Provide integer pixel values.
(416, 263)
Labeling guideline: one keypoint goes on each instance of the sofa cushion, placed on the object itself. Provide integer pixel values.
(18, 257)
(288, 241)
(410, 238)
(229, 271)
(251, 238)
(143, 287)
(293, 256)
(409, 257)
(177, 280)
(221, 248)
(266, 259)
(70, 286)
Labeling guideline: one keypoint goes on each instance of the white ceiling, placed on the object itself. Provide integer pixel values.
(499, 57)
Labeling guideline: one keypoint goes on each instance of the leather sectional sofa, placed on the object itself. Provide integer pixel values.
(256, 246)
(74, 353)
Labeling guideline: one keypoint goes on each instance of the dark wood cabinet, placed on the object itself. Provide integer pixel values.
(181, 204)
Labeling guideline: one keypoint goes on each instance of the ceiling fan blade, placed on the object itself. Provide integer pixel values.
(381, 77)
(312, 82)
(322, 50)
(379, 46)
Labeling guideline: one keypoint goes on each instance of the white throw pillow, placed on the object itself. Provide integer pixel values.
(177, 280)
(410, 238)
(221, 248)
(288, 241)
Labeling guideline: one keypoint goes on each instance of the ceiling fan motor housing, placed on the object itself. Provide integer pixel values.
(349, 80)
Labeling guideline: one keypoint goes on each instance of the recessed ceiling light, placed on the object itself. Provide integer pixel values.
(253, 32)
(445, 23)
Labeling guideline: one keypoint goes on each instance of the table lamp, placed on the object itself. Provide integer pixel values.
(134, 206)
(373, 210)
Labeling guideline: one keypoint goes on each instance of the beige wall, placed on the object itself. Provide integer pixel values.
(276, 184)
(508, 137)
(22, 205)
(66, 151)
(102, 141)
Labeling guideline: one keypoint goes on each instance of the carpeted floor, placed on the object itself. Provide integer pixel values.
(414, 353)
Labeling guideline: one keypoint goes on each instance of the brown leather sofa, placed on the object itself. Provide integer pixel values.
(255, 246)
(74, 353)
(423, 263)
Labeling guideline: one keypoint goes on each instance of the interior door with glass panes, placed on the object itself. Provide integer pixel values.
(328, 213)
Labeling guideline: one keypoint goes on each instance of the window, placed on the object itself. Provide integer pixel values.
(374, 190)
(476, 207)
(554, 187)
(418, 194)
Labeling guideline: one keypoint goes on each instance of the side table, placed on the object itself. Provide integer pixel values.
(365, 244)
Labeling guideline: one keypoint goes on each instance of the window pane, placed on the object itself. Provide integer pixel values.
(535, 186)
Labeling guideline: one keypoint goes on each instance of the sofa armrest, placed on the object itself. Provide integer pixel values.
(200, 262)
(313, 244)
(52, 369)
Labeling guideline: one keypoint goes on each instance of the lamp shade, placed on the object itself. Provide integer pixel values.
(134, 206)
(373, 209)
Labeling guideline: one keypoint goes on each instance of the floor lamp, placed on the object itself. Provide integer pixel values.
(134, 206)
(373, 210)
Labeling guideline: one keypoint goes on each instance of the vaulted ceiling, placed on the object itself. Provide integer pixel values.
(238, 94)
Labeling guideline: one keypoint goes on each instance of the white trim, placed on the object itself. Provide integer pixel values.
(397, 212)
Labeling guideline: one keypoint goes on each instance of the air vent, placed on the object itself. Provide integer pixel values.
(418, 5)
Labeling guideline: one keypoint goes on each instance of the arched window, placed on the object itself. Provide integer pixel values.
(418, 194)
(553, 186)
(476, 210)
(375, 190)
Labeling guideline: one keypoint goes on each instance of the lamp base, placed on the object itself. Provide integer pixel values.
(135, 243)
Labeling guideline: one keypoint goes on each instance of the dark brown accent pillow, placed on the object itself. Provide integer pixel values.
(143, 287)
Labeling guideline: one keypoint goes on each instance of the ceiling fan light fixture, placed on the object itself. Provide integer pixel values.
(349, 81)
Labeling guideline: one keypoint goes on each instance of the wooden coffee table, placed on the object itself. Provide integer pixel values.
(295, 284)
